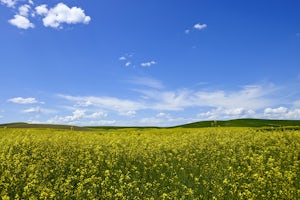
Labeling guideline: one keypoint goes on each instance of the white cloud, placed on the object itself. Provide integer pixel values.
(9, 3)
(163, 121)
(21, 100)
(282, 113)
(247, 98)
(32, 110)
(31, 2)
(226, 113)
(61, 13)
(21, 22)
(96, 115)
(148, 82)
(148, 64)
(78, 116)
(200, 26)
(279, 110)
(41, 10)
(130, 113)
(102, 123)
(163, 115)
(38, 110)
(127, 64)
(122, 58)
(24, 10)
(109, 103)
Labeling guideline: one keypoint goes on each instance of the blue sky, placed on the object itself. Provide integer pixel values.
(148, 62)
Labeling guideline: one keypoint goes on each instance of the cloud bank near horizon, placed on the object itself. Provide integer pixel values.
(154, 105)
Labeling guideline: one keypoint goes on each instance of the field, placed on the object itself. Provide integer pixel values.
(177, 163)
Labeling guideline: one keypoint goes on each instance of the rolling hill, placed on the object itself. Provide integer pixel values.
(266, 123)
(244, 123)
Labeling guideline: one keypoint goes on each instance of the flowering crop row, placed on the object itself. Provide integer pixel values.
(208, 163)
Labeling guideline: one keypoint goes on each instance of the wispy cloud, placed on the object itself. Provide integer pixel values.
(130, 113)
(250, 101)
(248, 98)
(108, 103)
(39, 110)
(21, 100)
(148, 82)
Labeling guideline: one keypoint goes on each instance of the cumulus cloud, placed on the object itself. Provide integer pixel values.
(282, 113)
(279, 110)
(9, 3)
(21, 100)
(78, 115)
(61, 13)
(200, 26)
(24, 10)
(53, 17)
(41, 9)
(21, 22)
(148, 64)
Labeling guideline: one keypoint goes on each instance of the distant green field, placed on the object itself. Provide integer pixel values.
(265, 123)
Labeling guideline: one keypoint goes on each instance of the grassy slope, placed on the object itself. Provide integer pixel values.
(51, 126)
(244, 123)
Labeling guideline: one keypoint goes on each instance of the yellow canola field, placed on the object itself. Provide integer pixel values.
(207, 163)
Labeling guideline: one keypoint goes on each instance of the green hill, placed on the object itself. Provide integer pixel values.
(43, 126)
(265, 123)
(244, 123)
